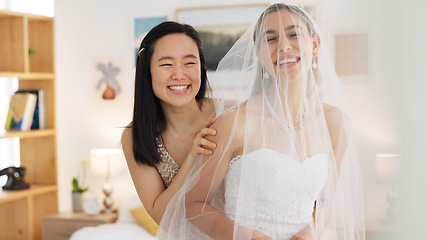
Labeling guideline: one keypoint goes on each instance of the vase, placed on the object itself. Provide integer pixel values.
(77, 201)
(109, 93)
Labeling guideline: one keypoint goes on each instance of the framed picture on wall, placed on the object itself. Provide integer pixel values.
(141, 26)
(219, 27)
(352, 55)
(108, 83)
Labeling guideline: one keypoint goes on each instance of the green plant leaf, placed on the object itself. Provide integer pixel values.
(76, 187)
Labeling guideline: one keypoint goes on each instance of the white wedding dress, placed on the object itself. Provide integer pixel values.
(278, 194)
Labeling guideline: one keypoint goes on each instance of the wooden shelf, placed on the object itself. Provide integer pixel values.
(28, 76)
(27, 53)
(27, 43)
(29, 134)
(34, 190)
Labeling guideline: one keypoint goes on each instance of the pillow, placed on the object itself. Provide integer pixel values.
(145, 220)
(124, 214)
(112, 231)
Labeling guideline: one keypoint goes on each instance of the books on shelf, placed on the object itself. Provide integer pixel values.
(27, 110)
(21, 110)
(39, 116)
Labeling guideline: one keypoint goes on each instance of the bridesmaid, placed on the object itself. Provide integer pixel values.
(171, 116)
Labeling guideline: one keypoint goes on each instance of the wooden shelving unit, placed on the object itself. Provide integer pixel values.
(22, 211)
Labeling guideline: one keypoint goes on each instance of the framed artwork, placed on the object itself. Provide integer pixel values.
(141, 26)
(352, 55)
(219, 27)
(108, 83)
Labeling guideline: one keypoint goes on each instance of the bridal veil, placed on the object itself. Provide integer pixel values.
(285, 163)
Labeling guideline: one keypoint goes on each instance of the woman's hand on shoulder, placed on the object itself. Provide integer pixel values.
(201, 144)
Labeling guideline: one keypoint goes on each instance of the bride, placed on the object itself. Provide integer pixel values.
(285, 166)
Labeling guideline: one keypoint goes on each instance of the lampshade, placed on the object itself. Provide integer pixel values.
(387, 168)
(106, 162)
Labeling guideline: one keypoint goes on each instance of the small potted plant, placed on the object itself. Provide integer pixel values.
(77, 195)
(78, 189)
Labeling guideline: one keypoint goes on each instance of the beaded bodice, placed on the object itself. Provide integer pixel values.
(167, 168)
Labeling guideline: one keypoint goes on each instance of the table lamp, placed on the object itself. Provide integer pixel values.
(106, 162)
(387, 172)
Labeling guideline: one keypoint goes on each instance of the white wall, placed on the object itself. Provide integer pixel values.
(87, 29)
(373, 115)
(406, 41)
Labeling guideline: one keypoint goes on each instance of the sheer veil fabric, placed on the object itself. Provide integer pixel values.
(285, 163)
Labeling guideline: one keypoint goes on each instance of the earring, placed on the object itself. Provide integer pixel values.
(314, 64)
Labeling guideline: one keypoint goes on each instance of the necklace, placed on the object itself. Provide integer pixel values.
(286, 127)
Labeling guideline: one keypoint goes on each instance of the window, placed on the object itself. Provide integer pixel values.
(41, 7)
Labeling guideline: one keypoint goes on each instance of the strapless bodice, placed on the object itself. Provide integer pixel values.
(268, 191)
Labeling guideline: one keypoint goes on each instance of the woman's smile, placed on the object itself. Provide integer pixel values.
(288, 61)
(179, 89)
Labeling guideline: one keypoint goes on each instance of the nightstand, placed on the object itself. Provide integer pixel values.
(60, 226)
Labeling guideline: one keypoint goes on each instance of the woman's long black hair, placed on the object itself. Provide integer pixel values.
(148, 118)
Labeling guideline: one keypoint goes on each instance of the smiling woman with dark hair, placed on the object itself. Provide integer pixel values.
(171, 115)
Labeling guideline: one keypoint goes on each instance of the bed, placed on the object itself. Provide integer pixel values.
(126, 226)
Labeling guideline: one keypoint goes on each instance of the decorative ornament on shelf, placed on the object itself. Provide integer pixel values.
(15, 178)
(31, 52)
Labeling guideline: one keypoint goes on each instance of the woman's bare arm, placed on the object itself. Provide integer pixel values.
(338, 132)
(147, 180)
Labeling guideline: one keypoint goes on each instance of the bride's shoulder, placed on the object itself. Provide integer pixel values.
(226, 103)
(334, 115)
(331, 110)
(232, 116)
